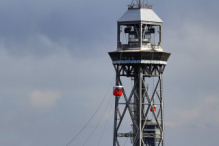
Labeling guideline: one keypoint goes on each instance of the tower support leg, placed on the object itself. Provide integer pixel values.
(140, 106)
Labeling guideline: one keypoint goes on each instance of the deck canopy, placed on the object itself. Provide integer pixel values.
(139, 29)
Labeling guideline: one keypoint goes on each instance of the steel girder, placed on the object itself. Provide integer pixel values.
(139, 103)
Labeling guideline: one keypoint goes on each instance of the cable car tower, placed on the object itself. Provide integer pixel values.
(139, 57)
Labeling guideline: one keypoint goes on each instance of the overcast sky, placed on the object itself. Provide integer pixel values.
(55, 70)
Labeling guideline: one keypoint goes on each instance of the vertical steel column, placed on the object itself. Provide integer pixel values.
(140, 36)
(116, 107)
(162, 109)
(135, 130)
(160, 37)
(115, 122)
(140, 75)
(139, 4)
(118, 35)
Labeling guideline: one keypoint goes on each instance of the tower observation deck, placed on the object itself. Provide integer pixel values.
(140, 57)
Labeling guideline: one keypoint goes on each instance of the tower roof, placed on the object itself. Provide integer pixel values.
(147, 15)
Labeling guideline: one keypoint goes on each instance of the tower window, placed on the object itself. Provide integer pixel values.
(147, 36)
(132, 36)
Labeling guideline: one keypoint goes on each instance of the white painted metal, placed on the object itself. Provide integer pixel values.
(147, 15)
(139, 61)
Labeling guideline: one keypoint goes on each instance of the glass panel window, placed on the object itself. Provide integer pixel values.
(147, 36)
(132, 35)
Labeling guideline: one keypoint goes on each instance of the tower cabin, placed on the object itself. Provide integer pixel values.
(139, 29)
(139, 38)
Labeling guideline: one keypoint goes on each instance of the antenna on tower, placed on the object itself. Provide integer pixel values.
(139, 4)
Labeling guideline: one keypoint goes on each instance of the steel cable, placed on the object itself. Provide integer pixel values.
(101, 118)
(126, 141)
(92, 115)
(108, 116)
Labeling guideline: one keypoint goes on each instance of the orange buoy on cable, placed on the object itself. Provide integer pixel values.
(117, 90)
(153, 108)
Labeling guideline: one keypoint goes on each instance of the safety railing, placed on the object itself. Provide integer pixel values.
(128, 46)
(137, 46)
(136, 6)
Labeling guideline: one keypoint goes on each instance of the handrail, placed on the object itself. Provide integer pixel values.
(135, 6)
(127, 46)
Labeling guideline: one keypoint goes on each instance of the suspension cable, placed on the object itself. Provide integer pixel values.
(108, 116)
(92, 115)
(101, 118)
(126, 141)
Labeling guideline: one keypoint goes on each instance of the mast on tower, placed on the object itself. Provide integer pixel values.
(140, 4)
(139, 56)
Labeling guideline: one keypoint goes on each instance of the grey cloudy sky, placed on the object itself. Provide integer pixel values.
(55, 70)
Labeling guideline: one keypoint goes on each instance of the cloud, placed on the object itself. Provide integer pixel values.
(202, 114)
(44, 99)
(63, 45)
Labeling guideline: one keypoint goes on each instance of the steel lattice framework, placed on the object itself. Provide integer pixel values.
(141, 58)
(139, 109)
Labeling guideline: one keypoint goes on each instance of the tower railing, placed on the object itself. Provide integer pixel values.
(131, 46)
(135, 6)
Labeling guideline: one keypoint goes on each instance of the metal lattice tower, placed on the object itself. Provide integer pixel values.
(140, 57)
